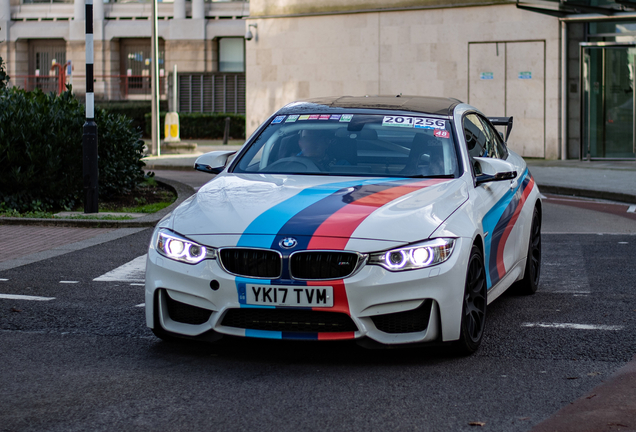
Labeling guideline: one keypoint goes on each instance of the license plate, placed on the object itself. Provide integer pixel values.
(292, 296)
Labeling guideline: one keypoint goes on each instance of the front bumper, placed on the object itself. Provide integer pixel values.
(389, 307)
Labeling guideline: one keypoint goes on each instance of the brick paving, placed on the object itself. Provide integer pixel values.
(17, 241)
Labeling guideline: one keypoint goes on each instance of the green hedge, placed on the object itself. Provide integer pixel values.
(202, 125)
(134, 110)
(41, 151)
(4, 78)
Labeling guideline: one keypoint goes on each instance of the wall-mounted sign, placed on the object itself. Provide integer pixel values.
(525, 75)
(486, 76)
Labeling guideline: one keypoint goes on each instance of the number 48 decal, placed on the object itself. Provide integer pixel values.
(416, 122)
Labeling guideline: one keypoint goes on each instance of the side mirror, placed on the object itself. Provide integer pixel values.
(213, 162)
(494, 170)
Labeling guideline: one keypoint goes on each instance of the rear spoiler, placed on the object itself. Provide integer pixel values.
(502, 121)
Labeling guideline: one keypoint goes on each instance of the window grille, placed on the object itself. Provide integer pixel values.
(212, 92)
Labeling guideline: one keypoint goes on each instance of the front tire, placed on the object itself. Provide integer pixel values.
(530, 282)
(475, 301)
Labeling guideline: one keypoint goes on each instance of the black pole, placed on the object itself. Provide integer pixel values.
(226, 131)
(89, 138)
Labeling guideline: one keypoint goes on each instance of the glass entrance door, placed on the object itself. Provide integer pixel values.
(608, 101)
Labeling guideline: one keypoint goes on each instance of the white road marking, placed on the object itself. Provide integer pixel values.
(623, 243)
(573, 326)
(69, 282)
(25, 297)
(571, 292)
(138, 284)
(141, 305)
(3, 280)
(631, 209)
(132, 271)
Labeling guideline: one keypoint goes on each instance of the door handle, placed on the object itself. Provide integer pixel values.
(513, 184)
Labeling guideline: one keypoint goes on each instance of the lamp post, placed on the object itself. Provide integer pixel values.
(154, 87)
(89, 139)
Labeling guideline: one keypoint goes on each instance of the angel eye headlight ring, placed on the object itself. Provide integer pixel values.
(178, 248)
(424, 255)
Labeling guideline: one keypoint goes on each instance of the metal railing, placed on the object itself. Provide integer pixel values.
(109, 87)
(122, 1)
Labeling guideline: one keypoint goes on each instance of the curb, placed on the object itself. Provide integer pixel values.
(588, 193)
(183, 192)
(168, 168)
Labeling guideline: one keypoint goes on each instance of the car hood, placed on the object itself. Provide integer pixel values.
(324, 211)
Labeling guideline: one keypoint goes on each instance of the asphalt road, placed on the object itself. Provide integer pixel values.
(84, 360)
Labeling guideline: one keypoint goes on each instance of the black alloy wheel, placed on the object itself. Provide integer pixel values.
(530, 282)
(475, 301)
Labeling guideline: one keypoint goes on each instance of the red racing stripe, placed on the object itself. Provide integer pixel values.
(336, 230)
(336, 336)
(501, 270)
(340, 301)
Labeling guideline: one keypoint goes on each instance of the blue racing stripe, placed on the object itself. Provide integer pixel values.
(304, 224)
(263, 334)
(241, 287)
(500, 229)
(262, 231)
(301, 336)
(490, 222)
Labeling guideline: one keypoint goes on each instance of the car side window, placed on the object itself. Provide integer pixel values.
(475, 137)
(495, 147)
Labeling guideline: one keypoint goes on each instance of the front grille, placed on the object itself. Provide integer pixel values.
(412, 321)
(187, 314)
(322, 265)
(251, 262)
(289, 320)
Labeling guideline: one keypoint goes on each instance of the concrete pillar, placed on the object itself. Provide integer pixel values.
(5, 10)
(198, 9)
(179, 9)
(79, 10)
(98, 10)
(5, 22)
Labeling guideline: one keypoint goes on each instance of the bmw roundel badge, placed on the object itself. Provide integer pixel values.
(288, 242)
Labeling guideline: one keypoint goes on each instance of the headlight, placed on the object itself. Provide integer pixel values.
(423, 255)
(179, 248)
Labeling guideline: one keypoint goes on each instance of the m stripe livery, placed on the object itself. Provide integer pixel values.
(324, 217)
(500, 221)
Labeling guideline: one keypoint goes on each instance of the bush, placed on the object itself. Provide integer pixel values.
(204, 125)
(4, 78)
(41, 151)
(134, 110)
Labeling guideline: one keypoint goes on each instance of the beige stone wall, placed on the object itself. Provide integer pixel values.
(18, 63)
(76, 52)
(259, 8)
(421, 52)
(189, 55)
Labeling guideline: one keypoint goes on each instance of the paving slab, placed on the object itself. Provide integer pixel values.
(615, 182)
(29, 244)
(610, 406)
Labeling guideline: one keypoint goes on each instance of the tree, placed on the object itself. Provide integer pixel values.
(4, 78)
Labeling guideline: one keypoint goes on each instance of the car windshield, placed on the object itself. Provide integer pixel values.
(353, 145)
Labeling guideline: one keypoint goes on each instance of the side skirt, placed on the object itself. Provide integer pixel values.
(511, 277)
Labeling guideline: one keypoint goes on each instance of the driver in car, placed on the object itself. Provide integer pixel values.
(313, 145)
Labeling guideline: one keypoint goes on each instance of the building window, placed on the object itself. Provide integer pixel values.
(43, 54)
(136, 64)
(231, 55)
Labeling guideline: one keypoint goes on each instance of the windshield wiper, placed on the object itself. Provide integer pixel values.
(433, 176)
